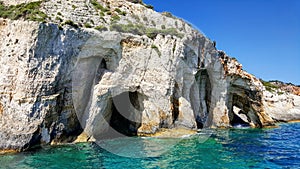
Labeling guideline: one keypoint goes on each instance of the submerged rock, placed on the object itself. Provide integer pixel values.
(115, 68)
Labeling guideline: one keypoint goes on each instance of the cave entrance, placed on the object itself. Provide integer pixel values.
(126, 115)
(239, 118)
(239, 112)
(102, 68)
(204, 87)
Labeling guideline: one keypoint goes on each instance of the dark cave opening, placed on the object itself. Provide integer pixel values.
(204, 86)
(175, 103)
(102, 68)
(238, 121)
(103, 64)
(238, 111)
(126, 115)
(199, 124)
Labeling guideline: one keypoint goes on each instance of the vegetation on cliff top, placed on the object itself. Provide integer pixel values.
(31, 11)
(140, 29)
(142, 3)
(98, 6)
(28, 11)
(270, 87)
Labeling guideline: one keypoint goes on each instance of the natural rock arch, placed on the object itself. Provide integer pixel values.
(243, 107)
(238, 111)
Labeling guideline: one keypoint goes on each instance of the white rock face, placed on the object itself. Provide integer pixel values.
(154, 83)
(35, 84)
(284, 107)
(56, 82)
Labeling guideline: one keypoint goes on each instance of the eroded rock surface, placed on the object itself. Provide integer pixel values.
(59, 79)
(282, 102)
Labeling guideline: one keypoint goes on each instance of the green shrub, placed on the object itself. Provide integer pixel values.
(167, 14)
(280, 93)
(105, 10)
(156, 49)
(149, 6)
(269, 86)
(129, 28)
(153, 23)
(142, 30)
(171, 31)
(97, 5)
(136, 1)
(108, 13)
(123, 13)
(154, 46)
(115, 18)
(87, 25)
(101, 28)
(59, 19)
(118, 10)
(71, 23)
(153, 32)
(145, 19)
(27, 11)
(174, 48)
(141, 2)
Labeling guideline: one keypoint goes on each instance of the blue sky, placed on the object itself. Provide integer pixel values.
(264, 35)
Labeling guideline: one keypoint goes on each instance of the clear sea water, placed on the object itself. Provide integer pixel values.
(235, 148)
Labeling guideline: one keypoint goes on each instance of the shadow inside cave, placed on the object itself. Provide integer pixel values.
(126, 115)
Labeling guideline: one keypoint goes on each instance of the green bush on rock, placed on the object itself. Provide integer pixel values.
(101, 28)
(27, 11)
(98, 6)
(129, 28)
(71, 23)
(269, 86)
(156, 49)
(115, 18)
(142, 3)
(139, 29)
(87, 25)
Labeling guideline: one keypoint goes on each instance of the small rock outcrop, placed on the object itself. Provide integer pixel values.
(112, 68)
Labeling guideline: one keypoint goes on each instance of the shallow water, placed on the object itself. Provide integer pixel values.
(235, 148)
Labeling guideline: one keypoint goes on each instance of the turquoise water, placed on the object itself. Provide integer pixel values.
(235, 148)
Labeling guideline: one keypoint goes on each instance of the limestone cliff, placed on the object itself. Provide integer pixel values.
(112, 68)
(282, 101)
